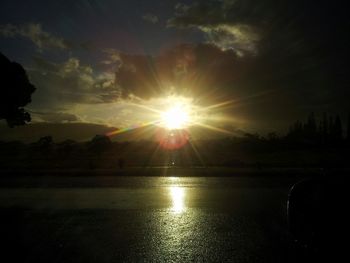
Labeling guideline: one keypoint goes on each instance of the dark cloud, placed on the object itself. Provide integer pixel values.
(245, 25)
(273, 26)
(54, 117)
(35, 33)
(214, 19)
(113, 57)
(151, 18)
(189, 70)
(70, 82)
(300, 48)
(42, 39)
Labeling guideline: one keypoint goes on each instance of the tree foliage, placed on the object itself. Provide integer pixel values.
(99, 144)
(16, 91)
(329, 131)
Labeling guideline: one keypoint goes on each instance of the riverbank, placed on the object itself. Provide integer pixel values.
(180, 172)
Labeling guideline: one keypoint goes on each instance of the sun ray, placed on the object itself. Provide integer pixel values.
(213, 128)
(146, 108)
(237, 102)
(193, 146)
(218, 105)
(153, 154)
(224, 119)
(130, 128)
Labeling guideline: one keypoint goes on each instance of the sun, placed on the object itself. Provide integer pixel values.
(176, 113)
(176, 117)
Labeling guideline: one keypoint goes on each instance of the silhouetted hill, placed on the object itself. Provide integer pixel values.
(59, 131)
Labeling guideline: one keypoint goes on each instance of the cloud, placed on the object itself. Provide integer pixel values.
(54, 117)
(213, 19)
(151, 18)
(70, 82)
(35, 33)
(255, 86)
(113, 57)
(192, 70)
(296, 47)
(242, 39)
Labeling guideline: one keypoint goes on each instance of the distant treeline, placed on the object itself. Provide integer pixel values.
(312, 143)
(328, 131)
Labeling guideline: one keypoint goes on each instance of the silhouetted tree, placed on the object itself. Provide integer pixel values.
(16, 91)
(121, 163)
(66, 147)
(331, 127)
(310, 128)
(296, 131)
(335, 129)
(45, 144)
(272, 137)
(100, 143)
(338, 129)
(329, 131)
(324, 128)
(348, 129)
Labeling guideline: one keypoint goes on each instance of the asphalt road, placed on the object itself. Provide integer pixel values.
(145, 219)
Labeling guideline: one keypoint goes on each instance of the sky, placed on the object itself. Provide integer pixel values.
(266, 63)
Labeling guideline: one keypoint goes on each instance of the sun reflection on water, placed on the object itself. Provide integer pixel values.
(178, 199)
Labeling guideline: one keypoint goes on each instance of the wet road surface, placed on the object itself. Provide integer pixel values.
(145, 219)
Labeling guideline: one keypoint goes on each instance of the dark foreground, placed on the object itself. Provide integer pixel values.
(146, 219)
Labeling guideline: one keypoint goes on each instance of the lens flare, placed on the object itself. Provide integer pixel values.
(172, 139)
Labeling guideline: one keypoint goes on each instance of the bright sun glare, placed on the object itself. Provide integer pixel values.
(176, 117)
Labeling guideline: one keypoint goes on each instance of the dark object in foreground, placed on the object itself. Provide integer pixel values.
(16, 91)
(317, 214)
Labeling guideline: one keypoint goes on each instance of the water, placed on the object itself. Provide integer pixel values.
(147, 219)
